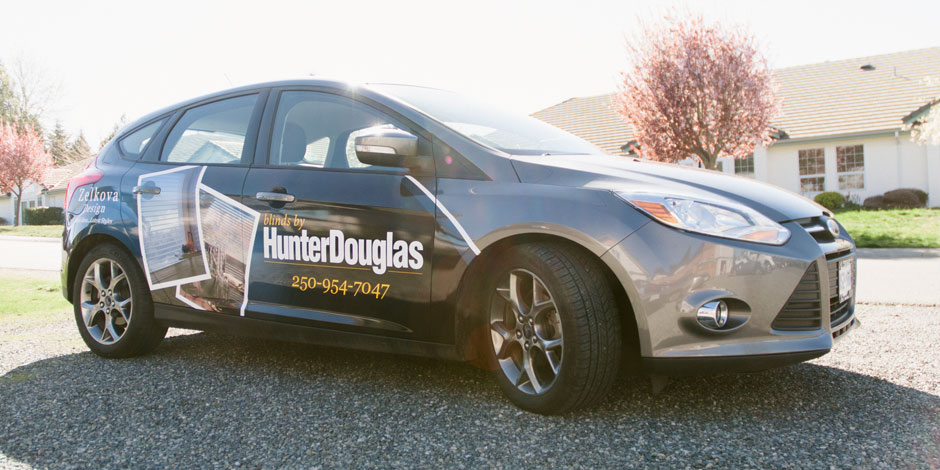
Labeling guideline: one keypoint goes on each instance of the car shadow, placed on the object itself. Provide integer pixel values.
(208, 400)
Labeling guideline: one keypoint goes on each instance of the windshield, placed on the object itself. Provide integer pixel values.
(511, 133)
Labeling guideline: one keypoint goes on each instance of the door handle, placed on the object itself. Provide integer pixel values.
(146, 190)
(274, 197)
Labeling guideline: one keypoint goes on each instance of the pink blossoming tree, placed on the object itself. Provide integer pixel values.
(22, 161)
(697, 90)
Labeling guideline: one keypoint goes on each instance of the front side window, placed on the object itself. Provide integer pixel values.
(319, 130)
(134, 143)
(850, 164)
(744, 166)
(213, 133)
(812, 170)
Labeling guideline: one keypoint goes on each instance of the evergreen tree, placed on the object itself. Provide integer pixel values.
(117, 127)
(8, 102)
(59, 145)
(79, 149)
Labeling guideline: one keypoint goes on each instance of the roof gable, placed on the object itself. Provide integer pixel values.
(58, 177)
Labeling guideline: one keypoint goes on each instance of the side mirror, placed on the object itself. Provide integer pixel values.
(385, 146)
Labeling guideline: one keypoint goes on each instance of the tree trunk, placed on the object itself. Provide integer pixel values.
(710, 162)
(17, 196)
(16, 210)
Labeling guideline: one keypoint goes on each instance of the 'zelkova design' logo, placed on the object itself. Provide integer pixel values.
(380, 254)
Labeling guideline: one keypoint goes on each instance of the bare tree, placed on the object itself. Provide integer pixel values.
(37, 90)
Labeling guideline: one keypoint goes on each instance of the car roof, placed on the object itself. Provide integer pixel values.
(317, 82)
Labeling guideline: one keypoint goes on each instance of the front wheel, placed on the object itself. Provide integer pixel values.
(554, 328)
(112, 304)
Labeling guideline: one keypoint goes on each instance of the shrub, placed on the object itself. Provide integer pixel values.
(905, 198)
(830, 200)
(3, 221)
(875, 202)
(42, 216)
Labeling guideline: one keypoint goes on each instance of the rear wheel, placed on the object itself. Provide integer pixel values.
(112, 304)
(554, 329)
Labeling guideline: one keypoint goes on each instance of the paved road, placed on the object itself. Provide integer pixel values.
(33, 256)
(899, 276)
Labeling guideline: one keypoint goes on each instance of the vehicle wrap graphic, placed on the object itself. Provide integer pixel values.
(229, 229)
(171, 241)
(196, 239)
(200, 243)
(96, 205)
(463, 233)
(337, 248)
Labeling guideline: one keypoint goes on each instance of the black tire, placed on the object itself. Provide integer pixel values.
(590, 321)
(141, 333)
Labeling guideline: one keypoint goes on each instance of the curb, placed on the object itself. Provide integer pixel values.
(896, 253)
(17, 238)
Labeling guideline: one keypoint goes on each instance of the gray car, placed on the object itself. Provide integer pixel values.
(413, 221)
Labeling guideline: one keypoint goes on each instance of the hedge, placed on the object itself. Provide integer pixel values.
(42, 216)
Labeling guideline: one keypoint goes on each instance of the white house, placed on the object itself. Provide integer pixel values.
(50, 192)
(845, 127)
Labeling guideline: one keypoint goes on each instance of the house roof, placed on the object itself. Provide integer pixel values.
(592, 118)
(58, 177)
(819, 100)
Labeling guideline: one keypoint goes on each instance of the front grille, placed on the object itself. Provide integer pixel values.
(817, 228)
(803, 310)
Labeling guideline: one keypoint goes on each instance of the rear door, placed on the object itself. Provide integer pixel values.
(184, 204)
(341, 244)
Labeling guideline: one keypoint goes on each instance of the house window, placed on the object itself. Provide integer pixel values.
(744, 166)
(812, 170)
(850, 163)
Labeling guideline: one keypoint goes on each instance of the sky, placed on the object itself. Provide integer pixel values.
(115, 58)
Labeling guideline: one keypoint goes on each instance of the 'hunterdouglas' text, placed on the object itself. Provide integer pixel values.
(379, 254)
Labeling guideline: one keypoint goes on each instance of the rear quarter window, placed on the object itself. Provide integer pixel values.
(134, 144)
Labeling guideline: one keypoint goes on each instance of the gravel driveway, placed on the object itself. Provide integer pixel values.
(214, 401)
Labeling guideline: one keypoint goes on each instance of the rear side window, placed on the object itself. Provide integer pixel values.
(212, 133)
(136, 142)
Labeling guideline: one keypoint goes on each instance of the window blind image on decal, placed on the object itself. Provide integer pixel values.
(228, 229)
(171, 239)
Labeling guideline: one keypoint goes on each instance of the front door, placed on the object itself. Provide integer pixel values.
(341, 244)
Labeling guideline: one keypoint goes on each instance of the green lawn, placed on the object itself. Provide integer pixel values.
(50, 231)
(893, 228)
(31, 297)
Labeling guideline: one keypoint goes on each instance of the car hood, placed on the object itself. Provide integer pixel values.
(632, 175)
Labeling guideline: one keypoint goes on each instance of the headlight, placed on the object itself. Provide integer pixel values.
(718, 219)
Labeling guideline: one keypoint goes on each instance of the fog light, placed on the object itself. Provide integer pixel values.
(713, 315)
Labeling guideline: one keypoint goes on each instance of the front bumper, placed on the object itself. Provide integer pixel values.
(668, 274)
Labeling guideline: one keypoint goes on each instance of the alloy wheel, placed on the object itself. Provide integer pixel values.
(526, 332)
(106, 301)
